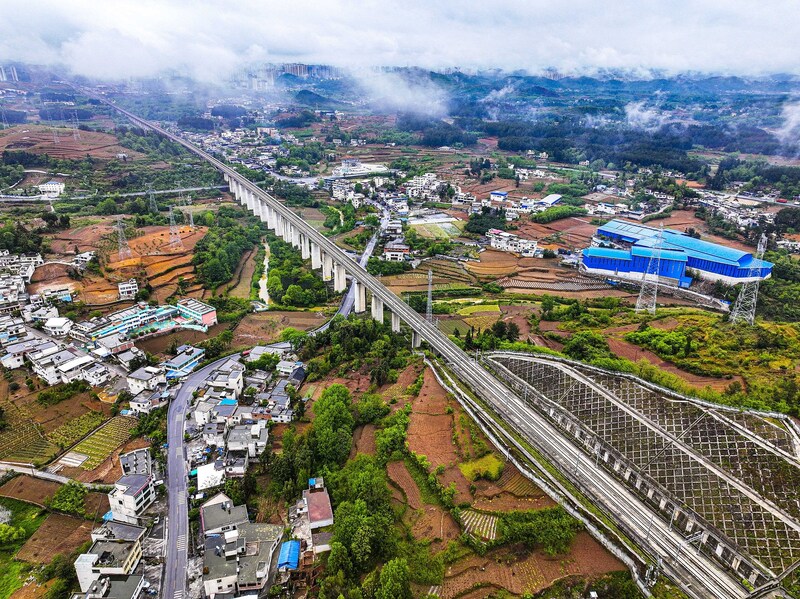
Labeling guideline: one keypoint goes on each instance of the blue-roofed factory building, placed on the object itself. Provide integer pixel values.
(679, 252)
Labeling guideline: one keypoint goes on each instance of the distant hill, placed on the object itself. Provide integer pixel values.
(311, 99)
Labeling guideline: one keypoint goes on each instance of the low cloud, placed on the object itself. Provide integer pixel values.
(396, 92)
(639, 116)
(209, 40)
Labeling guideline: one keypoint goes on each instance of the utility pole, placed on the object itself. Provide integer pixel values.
(125, 252)
(649, 290)
(744, 310)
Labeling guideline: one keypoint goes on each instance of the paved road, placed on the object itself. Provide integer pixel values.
(156, 192)
(178, 540)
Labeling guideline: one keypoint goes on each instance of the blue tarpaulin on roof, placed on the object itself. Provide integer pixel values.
(108, 516)
(289, 556)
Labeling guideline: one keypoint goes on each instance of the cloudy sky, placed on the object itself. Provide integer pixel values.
(209, 39)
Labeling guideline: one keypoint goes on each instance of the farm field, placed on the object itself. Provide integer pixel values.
(99, 445)
(57, 534)
(36, 433)
(153, 260)
(39, 140)
(239, 284)
(264, 327)
(29, 489)
(18, 514)
(519, 572)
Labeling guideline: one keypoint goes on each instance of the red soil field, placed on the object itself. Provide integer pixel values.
(30, 489)
(39, 140)
(57, 534)
(521, 572)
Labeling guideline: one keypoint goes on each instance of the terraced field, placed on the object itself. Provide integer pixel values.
(23, 439)
(480, 525)
(99, 445)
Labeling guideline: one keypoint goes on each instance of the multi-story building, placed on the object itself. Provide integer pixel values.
(508, 242)
(57, 327)
(131, 496)
(185, 362)
(116, 551)
(127, 289)
(238, 554)
(52, 189)
(198, 311)
(227, 379)
(146, 378)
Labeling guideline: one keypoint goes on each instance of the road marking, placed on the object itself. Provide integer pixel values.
(181, 544)
(178, 595)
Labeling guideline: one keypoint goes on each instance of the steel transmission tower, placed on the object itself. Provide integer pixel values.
(744, 310)
(76, 133)
(649, 291)
(174, 231)
(125, 252)
(429, 311)
(151, 193)
(191, 220)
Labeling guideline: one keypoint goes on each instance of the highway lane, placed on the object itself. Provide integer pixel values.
(701, 572)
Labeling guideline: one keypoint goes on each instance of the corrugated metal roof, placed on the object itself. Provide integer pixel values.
(613, 254)
(665, 254)
(675, 240)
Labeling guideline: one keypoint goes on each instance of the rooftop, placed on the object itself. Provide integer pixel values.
(113, 553)
(222, 514)
(120, 531)
(675, 240)
(132, 483)
(319, 505)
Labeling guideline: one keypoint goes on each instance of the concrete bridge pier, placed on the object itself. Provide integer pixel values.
(327, 267)
(305, 247)
(377, 308)
(263, 211)
(250, 199)
(339, 278)
(361, 297)
(395, 323)
(278, 225)
(316, 256)
(416, 339)
(272, 217)
(295, 237)
(287, 231)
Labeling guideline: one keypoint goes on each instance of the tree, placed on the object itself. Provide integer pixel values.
(107, 206)
(395, 581)
(9, 535)
(338, 560)
(512, 332)
(333, 425)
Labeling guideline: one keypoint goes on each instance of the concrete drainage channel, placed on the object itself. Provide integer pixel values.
(542, 478)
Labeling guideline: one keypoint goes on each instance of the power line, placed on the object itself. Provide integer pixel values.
(744, 310)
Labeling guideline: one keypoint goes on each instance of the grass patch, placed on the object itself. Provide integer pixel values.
(28, 517)
(488, 467)
(421, 480)
(467, 310)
